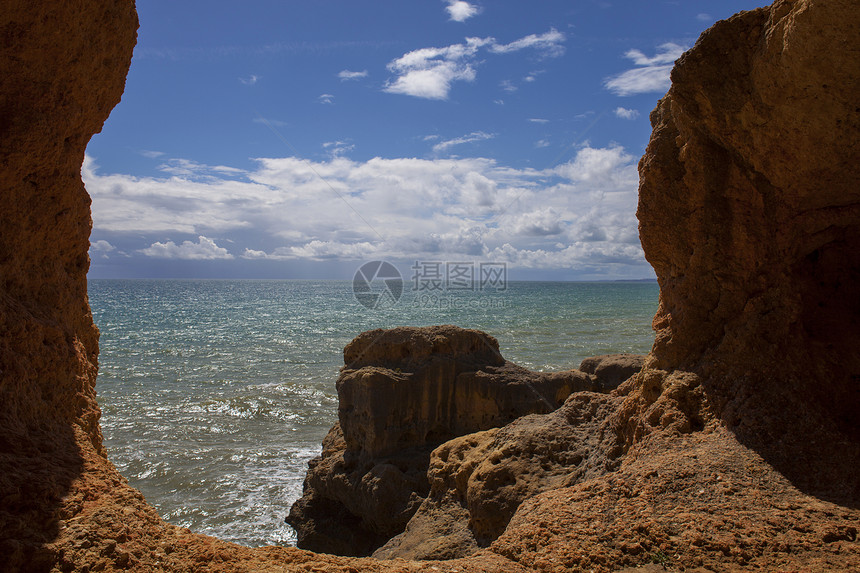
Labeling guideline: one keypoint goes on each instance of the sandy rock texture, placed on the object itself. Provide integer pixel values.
(734, 448)
(402, 392)
(749, 211)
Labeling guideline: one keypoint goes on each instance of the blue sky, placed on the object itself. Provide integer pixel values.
(283, 139)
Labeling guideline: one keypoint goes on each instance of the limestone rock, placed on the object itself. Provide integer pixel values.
(749, 210)
(478, 481)
(57, 89)
(402, 392)
(612, 369)
(742, 425)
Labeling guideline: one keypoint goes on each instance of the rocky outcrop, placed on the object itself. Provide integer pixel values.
(741, 429)
(478, 481)
(402, 392)
(611, 370)
(749, 211)
(737, 443)
(738, 438)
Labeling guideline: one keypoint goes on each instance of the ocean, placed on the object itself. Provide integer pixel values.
(216, 393)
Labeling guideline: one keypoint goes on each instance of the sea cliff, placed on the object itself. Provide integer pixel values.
(735, 447)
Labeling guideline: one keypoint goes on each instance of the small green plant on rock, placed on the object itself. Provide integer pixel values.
(660, 558)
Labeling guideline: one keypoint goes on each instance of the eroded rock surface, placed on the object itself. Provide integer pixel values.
(749, 212)
(611, 370)
(478, 481)
(402, 392)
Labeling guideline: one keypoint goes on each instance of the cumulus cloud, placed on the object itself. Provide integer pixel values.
(429, 72)
(460, 11)
(289, 208)
(345, 75)
(625, 113)
(203, 249)
(652, 75)
(470, 138)
(101, 248)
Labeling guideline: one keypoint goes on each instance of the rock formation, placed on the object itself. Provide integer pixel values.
(749, 212)
(402, 392)
(736, 446)
(479, 480)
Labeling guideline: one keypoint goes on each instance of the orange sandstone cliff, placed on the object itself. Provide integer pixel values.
(736, 447)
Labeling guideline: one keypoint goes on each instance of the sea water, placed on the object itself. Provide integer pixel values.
(216, 394)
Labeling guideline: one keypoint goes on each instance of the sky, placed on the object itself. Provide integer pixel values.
(286, 139)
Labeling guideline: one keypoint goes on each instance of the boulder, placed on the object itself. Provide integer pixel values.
(612, 369)
(402, 392)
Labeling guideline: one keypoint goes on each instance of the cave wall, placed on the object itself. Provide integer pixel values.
(749, 211)
(63, 70)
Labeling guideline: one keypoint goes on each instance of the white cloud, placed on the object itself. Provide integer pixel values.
(667, 54)
(538, 120)
(345, 75)
(151, 154)
(541, 143)
(101, 248)
(703, 17)
(250, 80)
(203, 249)
(470, 138)
(338, 148)
(598, 165)
(429, 72)
(577, 214)
(651, 76)
(193, 170)
(625, 113)
(460, 11)
(326, 99)
(550, 43)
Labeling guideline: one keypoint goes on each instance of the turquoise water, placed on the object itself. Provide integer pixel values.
(215, 394)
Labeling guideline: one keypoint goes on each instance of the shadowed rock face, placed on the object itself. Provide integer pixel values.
(749, 212)
(56, 91)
